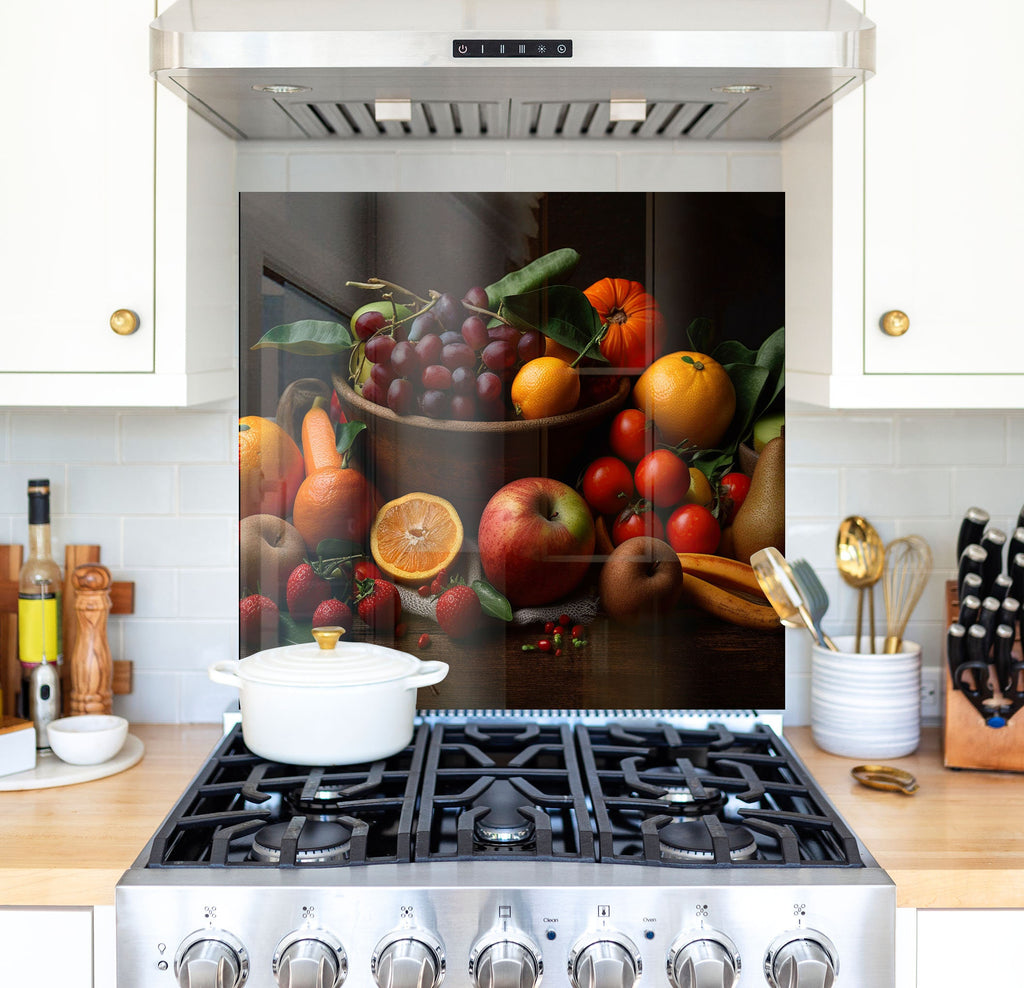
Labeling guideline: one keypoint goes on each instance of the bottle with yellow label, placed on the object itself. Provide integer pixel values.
(39, 592)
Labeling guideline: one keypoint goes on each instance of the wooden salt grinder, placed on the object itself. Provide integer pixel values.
(92, 670)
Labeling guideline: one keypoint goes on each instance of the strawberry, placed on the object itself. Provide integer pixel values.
(378, 603)
(305, 591)
(333, 613)
(458, 611)
(437, 585)
(257, 619)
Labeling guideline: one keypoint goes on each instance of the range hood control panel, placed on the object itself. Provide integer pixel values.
(514, 48)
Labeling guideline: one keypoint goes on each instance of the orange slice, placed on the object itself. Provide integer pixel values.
(414, 537)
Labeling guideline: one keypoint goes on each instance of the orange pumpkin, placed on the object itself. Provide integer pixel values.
(633, 322)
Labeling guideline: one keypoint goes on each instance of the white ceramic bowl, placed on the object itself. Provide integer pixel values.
(88, 739)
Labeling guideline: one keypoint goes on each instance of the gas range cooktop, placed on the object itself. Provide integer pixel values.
(643, 793)
(492, 852)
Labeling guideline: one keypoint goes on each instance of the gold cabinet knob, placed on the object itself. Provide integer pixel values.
(124, 322)
(895, 323)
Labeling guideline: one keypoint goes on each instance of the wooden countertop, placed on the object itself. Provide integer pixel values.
(958, 843)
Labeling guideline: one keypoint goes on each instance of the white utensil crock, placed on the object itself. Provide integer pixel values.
(305, 705)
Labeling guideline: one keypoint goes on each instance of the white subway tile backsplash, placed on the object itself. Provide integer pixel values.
(1000, 492)
(155, 697)
(77, 437)
(179, 645)
(568, 171)
(370, 172)
(812, 492)
(674, 172)
(898, 492)
(210, 593)
(14, 478)
(755, 172)
(208, 490)
(468, 172)
(847, 440)
(116, 489)
(192, 437)
(156, 592)
(180, 542)
(964, 439)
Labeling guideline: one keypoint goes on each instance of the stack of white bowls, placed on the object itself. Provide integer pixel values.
(866, 705)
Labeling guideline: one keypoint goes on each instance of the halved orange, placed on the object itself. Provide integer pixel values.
(414, 537)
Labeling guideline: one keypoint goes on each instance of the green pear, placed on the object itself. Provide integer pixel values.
(761, 519)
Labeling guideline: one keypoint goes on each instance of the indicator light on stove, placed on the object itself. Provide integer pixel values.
(310, 959)
(408, 959)
(705, 960)
(608, 960)
(801, 959)
(211, 959)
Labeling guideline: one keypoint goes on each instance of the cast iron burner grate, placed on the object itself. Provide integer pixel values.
(637, 792)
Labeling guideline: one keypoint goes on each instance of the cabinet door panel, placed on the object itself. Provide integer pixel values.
(944, 206)
(43, 946)
(76, 194)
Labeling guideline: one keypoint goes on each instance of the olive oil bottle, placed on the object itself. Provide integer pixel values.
(39, 599)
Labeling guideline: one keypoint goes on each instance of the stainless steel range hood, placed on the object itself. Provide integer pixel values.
(528, 69)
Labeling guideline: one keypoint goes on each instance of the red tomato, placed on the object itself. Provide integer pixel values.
(693, 528)
(607, 485)
(662, 478)
(632, 435)
(366, 569)
(636, 521)
(733, 489)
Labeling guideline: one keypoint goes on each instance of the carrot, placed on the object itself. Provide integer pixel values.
(318, 443)
(735, 608)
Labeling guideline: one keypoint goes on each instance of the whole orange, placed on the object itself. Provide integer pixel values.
(545, 386)
(270, 468)
(689, 396)
(335, 503)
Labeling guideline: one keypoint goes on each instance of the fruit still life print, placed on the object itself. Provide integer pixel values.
(553, 480)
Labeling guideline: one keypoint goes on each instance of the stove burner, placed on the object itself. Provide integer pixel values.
(503, 823)
(682, 801)
(319, 843)
(691, 841)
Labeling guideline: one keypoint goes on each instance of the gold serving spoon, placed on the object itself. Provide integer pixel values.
(860, 559)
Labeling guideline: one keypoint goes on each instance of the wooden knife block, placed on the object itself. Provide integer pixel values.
(122, 596)
(967, 741)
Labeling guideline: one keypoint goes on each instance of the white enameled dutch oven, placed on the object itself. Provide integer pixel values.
(328, 703)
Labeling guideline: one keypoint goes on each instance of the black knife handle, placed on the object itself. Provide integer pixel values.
(972, 560)
(956, 653)
(1016, 571)
(1009, 612)
(1016, 545)
(1001, 586)
(977, 644)
(973, 524)
(988, 618)
(1002, 659)
(971, 587)
(970, 608)
(1020, 518)
(993, 542)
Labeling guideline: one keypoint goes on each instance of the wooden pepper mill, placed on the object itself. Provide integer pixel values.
(92, 669)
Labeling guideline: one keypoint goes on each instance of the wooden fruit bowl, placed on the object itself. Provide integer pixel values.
(466, 462)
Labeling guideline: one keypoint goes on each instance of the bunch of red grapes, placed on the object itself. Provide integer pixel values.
(446, 362)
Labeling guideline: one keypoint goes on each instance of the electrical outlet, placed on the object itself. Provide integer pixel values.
(931, 694)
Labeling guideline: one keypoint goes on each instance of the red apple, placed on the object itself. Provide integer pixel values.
(536, 539)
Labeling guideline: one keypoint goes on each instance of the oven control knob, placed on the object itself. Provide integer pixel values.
(211, 959)
(408, 959)
(705, 960)
(801, 959)
(310, 959)
(607, 960)
(505, 961)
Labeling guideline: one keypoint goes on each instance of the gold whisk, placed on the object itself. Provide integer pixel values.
(908, 564)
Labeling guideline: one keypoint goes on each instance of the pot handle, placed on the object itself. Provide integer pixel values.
(430, 673)
(223, 672)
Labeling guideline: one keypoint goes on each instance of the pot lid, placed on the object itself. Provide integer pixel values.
(343, 664)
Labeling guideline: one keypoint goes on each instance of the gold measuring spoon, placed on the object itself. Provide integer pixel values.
(860, 559)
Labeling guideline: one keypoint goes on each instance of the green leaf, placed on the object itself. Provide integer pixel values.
(338, 549)
(492, 602)
(560, 311)
(701, 334)
(309, 337)
(345, 435)
(292, 632)
(734, 352)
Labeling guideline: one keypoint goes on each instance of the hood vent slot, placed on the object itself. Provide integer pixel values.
(439, 119)
(573, 119)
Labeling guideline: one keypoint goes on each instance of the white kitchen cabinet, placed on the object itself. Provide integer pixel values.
(47, 946)
(114, 197)
(907, 197)
(968, 947)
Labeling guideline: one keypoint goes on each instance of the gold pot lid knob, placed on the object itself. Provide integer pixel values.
(895, 323)
(124, 322)
(327, 636)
